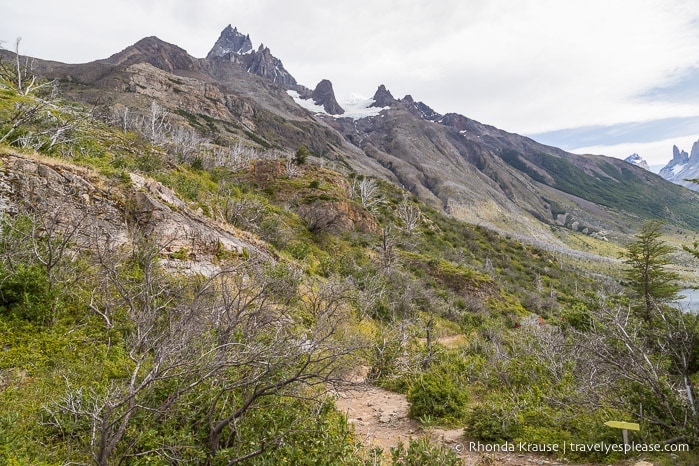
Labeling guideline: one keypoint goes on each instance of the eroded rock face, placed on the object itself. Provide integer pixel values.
(112, 212)
(71, 197)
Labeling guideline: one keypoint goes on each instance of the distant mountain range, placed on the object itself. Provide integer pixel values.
(683, 167)
(475, 172)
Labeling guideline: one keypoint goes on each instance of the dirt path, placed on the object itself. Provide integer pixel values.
(380, 418)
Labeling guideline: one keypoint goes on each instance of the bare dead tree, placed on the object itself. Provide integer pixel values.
(291, 169)
(652, 358)
(45, 239)
(368, 192)
(295, 364)
(157, 121)
(189, 146)
(22, 72)
(24, 113)
(121, 116)
(235, 337)
(35, 104)
(409, 214)
(236, 157)
(386, 248)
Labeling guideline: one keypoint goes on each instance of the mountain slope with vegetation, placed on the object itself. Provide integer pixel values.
(178, 287)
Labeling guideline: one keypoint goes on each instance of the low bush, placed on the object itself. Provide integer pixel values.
(436, 394)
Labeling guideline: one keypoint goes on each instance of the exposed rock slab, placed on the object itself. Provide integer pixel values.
(111, 211)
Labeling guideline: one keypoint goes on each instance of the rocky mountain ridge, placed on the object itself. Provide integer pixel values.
(237, 47)
(473, 171)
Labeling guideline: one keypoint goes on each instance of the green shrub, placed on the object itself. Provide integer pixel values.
(25, 294)
(423, 452)
(149, 162)
(435, 394)
(487, 423)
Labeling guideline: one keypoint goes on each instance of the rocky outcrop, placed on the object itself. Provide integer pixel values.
(420, 109)
(70, 197)
(263, 63)
(383, 98)
(109, 212)
(324, 96)
(194, 95)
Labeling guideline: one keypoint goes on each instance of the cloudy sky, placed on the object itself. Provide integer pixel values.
(603, 76)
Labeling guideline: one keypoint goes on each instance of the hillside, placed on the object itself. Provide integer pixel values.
(193, 265)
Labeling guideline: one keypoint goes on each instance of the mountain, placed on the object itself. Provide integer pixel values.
(234, 46)
(474, 172)
(637, 160)
(231, 43)
(683, 167)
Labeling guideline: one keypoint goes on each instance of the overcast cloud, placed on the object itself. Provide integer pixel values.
(548, 68)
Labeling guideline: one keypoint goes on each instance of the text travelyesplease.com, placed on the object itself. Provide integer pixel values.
(607, 448)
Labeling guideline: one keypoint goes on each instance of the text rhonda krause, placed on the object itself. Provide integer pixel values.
(576, 447)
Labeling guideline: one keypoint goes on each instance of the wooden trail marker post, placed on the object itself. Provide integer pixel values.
(625, 428)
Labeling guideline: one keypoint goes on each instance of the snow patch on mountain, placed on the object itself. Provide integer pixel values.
(308, 104)
(355, 106)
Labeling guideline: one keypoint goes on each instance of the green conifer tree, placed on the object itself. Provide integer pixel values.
(301, 155)
(647, 259)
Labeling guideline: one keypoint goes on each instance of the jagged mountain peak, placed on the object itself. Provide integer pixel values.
(237, 47)
(637, 160)
(678, 156)
(420, 109)
(383, 97)
(683, 167)
(231, 42)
